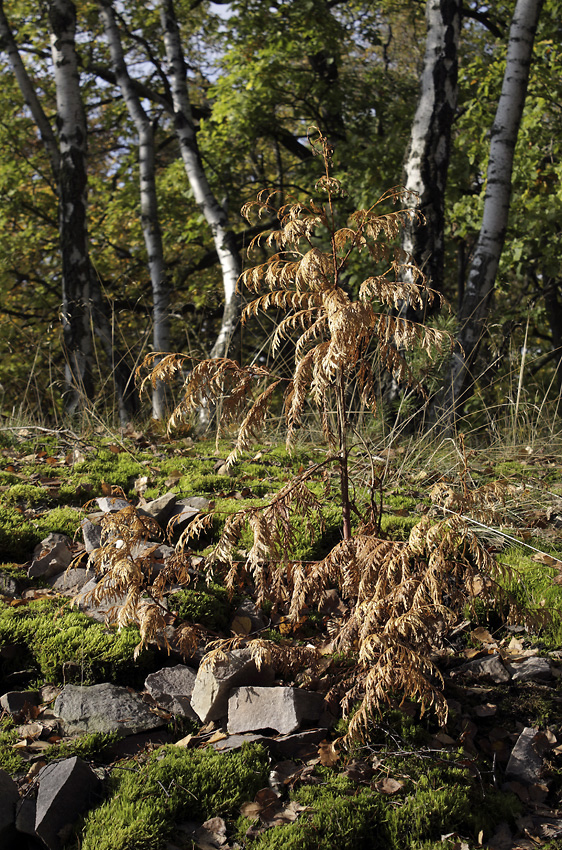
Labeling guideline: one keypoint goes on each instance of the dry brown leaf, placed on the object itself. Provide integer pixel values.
(388, 785)
(327, 753)
(216, 736)
(482, 635)
(185, 742)
(241, 625)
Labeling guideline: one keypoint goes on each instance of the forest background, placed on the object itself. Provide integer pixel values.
(132, 134)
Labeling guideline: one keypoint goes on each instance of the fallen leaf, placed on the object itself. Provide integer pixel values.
(483, 635)
(388, 785)
(185, 742)
(241, 625)
(327, 753)
(216, 736)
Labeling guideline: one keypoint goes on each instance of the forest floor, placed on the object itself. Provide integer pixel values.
(410, 783)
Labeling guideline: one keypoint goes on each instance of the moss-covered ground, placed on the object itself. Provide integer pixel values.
(404, 787)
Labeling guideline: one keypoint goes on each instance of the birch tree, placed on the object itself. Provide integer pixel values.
(214, 213)
(148, 198)
(427, 160)
(481, 279)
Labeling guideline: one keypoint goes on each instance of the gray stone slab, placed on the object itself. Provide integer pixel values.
(490, 668)
(9, 798)
(283, 709)
(104, 708)
(109, 504)
(160, 509)
(15, 701)
(91, 532)
(72, 580)
(66, 790)
(526, 761)
(51, 561)
(532, 669)
(214, 683)
(172, 687)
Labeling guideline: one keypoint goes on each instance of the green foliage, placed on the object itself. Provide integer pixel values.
(209, 606)
(17, 536)
(533, 588)
(10, 760)
(27, 494)
(65, 520)
(174, 784)
(53, 636)
(93, 747)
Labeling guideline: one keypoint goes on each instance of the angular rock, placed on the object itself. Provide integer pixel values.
(160, 509)
(25, 816)
(91, 534)
(200, 503)
(9, 798)
(15, 701)
(52, 560)
(489, 668)
(104, 708)
(97, 610)
(72, 581)
(214, 683)
(172, 687)
(66, 790)
(526, 760)
(283, 709)
(532, 669)
(109, 504)
(8, 585)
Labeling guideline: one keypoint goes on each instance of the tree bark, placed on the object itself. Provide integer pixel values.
(483, 269)
(148, 198)
(427, 160)
(215, 215)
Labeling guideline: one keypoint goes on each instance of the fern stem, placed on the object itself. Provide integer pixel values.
(343, 452)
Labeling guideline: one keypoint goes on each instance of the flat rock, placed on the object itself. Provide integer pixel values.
(236, 742)
(160, 509)
(72, 580)
(172, 687)
(9, 798)
(532, 669)
(98, 611)
(526, 760)
(52, 560)
(214, 683)
(104, 708)
(91, 532)
(15, 701)
(283, 709)
(109, 504)
(490, 668)
(66, 790)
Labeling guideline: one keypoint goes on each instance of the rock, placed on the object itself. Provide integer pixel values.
(214, 683)
(526, 760)
(172, 687)
(236, 742)
(283, 709)
(249, 611)
(66, 790)
(15, 701)
(200, 503)
(9, 798)
(91, 534)
(72, 580)
(25, 816)
(160, 509)
(532, 669)
(104, 708)
(98, 611)
(8, 585)
(109, 504)
(489, 668)
(53, 558)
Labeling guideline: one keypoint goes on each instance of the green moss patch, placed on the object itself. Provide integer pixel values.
(64, 645)
(145, 801)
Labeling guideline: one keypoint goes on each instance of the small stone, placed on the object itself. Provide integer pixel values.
(172, 687)
(8, 585)
(109, 504)
(72, 580)
(532, 669)
(9, 798)
(526, 761)
(283, 709)
(160, 509)
(104, 708)
(15, 701)
(66, 790)
(52, 561)
(489, 668)
(214, 683)
(91, 533)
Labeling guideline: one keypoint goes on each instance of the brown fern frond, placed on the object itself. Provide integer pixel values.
(253, 420)
(200, 524)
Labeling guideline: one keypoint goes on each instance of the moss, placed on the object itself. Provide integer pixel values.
(209, 606)
(95, 747)
(10, 759)
(118, 469)
(27, 494)
(397, 527)
(17, 535)
(174, 784)
(65, 520)
(52, 637)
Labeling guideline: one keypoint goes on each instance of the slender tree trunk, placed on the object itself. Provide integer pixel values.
(483, 269)
(148, 198)
(427, 160)
(215, 215)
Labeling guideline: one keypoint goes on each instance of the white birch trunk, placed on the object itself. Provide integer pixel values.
(215, 215)
(148, 198)
(427, 160)
(77, 320)
(482, 273)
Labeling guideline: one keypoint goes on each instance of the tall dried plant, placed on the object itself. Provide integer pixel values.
(399, 598)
